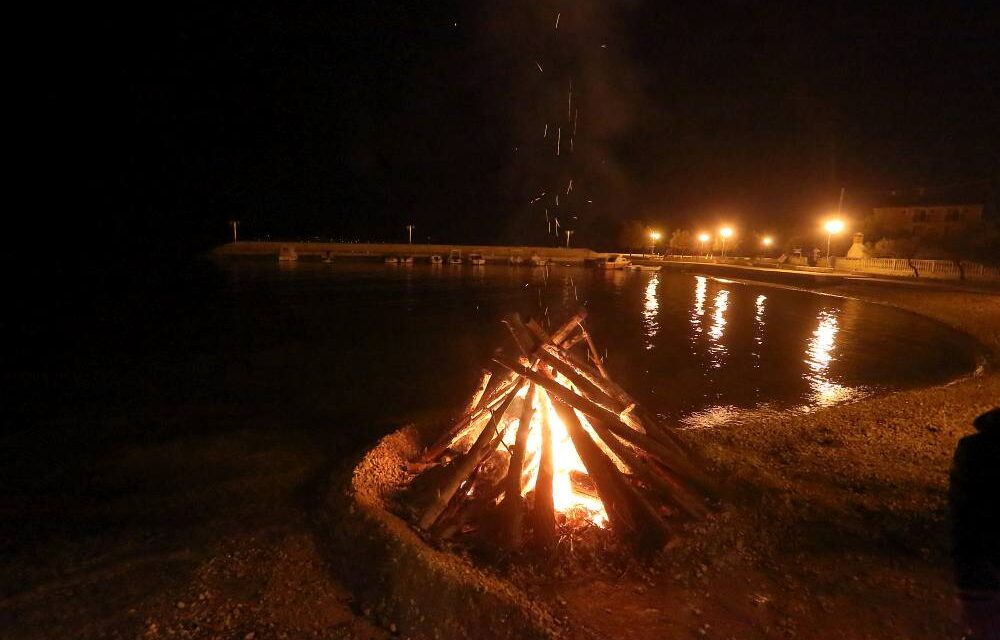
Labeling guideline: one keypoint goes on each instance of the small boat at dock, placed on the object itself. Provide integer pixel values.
(477, 259)
(436, 259)
(614, 261)
(642, 267)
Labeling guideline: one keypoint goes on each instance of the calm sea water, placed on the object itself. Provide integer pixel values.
(359, 348)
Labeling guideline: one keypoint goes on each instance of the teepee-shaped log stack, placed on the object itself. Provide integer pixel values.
(548, 437)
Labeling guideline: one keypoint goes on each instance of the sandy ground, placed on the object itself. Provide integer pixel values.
(835, 528)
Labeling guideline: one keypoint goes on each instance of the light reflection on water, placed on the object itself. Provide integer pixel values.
(650, 310)
(758, 336)
(694, 349)
(820, 353)
(717, 349)
(700, 287)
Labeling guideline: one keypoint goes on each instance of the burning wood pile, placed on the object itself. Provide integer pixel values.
(549, 441)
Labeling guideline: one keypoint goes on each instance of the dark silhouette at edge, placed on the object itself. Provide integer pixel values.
(974, 501)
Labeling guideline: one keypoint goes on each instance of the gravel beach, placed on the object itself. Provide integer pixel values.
(836, 524)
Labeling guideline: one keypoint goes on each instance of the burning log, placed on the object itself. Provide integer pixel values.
(477, 395)
(672, 492)
(676, 463)
(594, 354)
(513, 504)
(459, 470)
(591, 455)
(631, 516)
(544, 514)
(486, 405)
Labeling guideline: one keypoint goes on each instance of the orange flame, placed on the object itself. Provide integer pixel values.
(565, 460)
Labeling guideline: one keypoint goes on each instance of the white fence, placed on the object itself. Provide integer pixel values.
(940, 269)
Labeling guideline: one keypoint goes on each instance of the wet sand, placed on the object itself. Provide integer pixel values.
(836, 528)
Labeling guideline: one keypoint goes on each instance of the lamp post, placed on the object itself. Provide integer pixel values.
(653, 237)
(235, 224)
(703, 238)
(569, 233)
(725, 232)
(409, 229)
(832, 227)
(766, 242)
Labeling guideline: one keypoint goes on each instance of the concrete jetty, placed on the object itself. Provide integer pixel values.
(315, 250)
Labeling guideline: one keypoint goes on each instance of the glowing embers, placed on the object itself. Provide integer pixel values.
(548, 444)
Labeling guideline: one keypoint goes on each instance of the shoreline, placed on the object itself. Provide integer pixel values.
(820, 537)
(837, 522)
(834, 522)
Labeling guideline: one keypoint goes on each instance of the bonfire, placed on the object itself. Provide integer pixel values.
(548, 442)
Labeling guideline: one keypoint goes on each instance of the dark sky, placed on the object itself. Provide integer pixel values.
(155, 125)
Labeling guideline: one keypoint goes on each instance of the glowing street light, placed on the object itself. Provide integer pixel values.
(703, 238)
(832, 227)
(766, 241)
(654, 236)
(725, 232)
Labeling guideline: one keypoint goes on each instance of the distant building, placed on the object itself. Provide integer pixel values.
(917, 213)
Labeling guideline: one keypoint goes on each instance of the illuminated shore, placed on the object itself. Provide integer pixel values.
(838, 526)
(835, 526)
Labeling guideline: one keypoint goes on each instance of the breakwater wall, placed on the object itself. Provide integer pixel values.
(493, 253)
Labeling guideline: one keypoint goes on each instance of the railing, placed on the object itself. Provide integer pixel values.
(941, 269)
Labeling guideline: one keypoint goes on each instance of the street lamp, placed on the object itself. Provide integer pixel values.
(832, 227)
(409, 230)
(235, 224)
(654, 236)
(766, 241)
(703, 238)
(725, 232)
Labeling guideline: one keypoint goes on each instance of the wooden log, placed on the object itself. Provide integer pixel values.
(544, 337)
(488, 403)
(567, 328)
(446, 528)
(671, 459)
(672, 492)
(572, 342)
(513, 503)
(459, 470)
(521, 336)
(465, 508)
(679, 465)
(587, 388)
(480, 391)
(544, 512)
(643, 418)
(594, 353)
(632, 518)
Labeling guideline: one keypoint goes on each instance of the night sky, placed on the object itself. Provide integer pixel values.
(150, 127)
